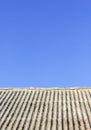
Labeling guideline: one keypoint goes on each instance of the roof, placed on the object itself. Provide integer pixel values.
(45, 109)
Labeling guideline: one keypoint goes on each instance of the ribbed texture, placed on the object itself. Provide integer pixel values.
(62, 109)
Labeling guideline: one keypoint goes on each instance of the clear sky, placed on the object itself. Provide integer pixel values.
(45, 43)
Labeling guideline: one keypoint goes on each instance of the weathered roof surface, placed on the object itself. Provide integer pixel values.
(45, 109)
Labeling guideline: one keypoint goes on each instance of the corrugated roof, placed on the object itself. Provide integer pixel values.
(45, 109)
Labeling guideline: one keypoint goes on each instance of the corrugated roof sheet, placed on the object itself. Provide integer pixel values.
(45, 109)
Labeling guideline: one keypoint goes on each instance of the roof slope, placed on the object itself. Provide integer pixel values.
(45, 109)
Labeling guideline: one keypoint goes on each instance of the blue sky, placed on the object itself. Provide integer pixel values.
(45, 43)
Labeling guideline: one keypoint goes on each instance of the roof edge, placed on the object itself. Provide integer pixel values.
(54, 88)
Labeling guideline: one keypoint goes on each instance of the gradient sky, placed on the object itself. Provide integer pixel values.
(45, 43)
